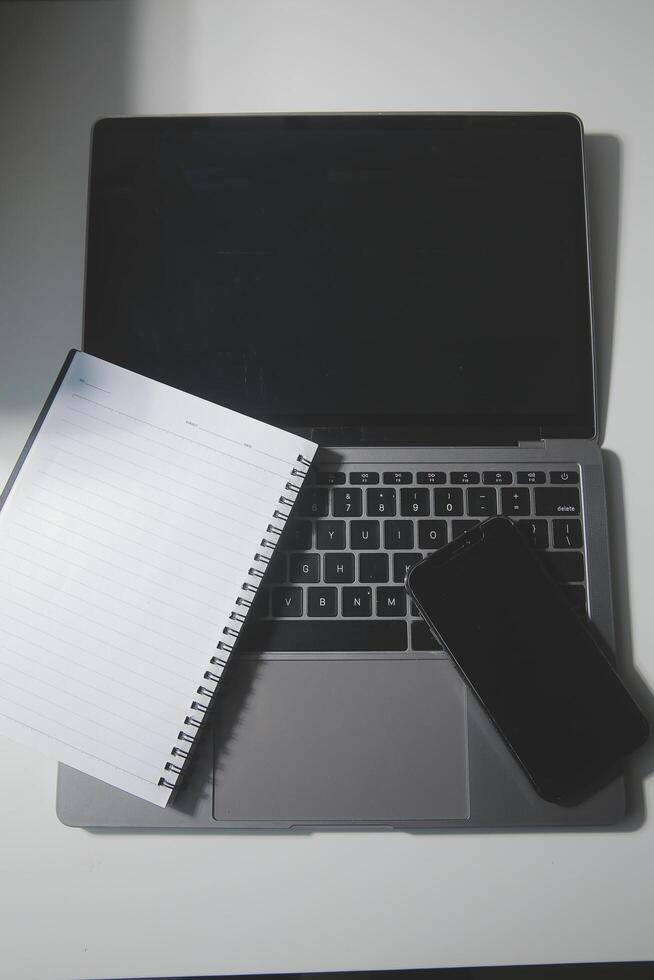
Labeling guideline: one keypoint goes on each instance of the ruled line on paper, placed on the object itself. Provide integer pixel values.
(162, 476)
(76, 746)
(121, 584)
(92, 588)
(200, 571)
(151, 737)
(79, 665)
(144, 452)
(260, 452)
(123, 619)
(113, 746)
(194, 442)
(117, 666)
(143, 561)
(95, 387)
(130, 571)
(124, 544)
(150, 677)
(146, 469)
(184, 500)
(142, 513)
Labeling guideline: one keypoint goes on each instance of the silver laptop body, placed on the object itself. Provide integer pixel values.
(337, 710)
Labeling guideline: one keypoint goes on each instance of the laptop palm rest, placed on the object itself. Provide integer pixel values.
(323, 741)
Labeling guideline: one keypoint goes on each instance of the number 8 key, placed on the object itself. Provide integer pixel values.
(380, 503)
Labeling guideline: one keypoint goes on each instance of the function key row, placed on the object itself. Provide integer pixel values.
(334, 478)
(446, 502)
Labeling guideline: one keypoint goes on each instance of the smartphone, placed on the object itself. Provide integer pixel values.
(531, 659)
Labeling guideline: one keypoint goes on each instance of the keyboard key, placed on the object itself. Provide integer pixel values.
(380, 503)
(339, 568)
(558, 502)
(497, 477)
(515, 502)
(564, 476)
(531, 476)
(331, 636)
(347, 503)
(577, 596)
(364, 478)
(296, 536)
(567, 534)
(328, 478)
(448, 503)
(312, 502)
(276, 571)
(391, 601)
(566, 566)
(460, 527)
(414, 503)
(330, 535)
(287, 602)
(398, 534)
(322, 601)
(535, 533)
(422, 637)
(432, 476)
(414, 608)
(398, 477)
(364, 534)
(304, 568)
(482, 503)
(356, 601)
(464, 476)
(432, 535)
(373, 568)
(402, 563)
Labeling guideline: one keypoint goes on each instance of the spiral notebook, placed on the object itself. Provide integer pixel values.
(134, 532)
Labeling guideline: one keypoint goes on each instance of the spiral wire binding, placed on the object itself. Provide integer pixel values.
(193, 724)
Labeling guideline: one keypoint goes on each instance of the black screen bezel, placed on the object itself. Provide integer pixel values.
(404, 429)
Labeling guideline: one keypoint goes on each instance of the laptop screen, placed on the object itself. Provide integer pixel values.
(422, 272)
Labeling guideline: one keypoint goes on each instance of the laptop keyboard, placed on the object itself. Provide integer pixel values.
(336, 580)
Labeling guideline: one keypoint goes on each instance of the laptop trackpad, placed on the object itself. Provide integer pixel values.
(301, 741)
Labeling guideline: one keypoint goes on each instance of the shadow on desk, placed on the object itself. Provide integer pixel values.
(642, 762)
(576, 971)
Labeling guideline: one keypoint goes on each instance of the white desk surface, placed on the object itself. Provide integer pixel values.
(76, 904)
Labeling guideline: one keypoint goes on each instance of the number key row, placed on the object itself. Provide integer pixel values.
(447, 502)
(382, 502)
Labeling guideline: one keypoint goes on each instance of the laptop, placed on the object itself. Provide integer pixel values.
(411, 291)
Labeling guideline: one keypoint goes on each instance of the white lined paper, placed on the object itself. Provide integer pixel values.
(124, 543)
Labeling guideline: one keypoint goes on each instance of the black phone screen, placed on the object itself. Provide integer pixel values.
(530, 658)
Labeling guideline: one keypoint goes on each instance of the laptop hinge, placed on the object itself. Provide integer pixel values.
(540, 442)
(407, 435)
